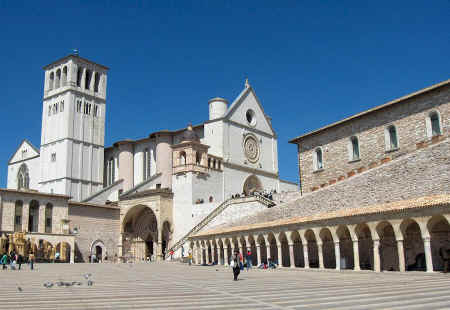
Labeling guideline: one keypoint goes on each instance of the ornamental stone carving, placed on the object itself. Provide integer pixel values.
(251, 148)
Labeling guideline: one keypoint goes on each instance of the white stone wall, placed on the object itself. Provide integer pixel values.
(138, 160)
(33, 172)
(214, 137)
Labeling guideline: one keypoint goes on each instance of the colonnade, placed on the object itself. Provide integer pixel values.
(403, 244)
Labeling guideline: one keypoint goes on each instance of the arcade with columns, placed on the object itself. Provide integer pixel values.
(398, 236)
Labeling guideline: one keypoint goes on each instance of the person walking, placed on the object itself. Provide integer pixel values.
(19, 260)
(4, 261)
(31, 259)
(190, 257)
(248, 259)
(235, 264)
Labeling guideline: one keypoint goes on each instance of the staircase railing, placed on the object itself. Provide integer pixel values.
(201, 224)
(269, 203)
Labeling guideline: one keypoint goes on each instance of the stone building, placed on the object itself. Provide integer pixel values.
(138, 198)
(375, 194)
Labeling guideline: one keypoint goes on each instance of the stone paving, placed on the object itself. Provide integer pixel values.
(177, 286)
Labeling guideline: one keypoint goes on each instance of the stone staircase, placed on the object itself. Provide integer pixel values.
(213, 215)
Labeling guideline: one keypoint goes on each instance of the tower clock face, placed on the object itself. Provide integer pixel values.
(251, 148)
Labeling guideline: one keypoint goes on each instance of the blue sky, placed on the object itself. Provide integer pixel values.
(310, 62)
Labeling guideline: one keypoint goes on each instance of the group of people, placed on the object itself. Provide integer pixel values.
(265, 193)
(237, 263)
(14, 260)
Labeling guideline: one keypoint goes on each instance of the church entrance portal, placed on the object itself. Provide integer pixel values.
(141, 239)
(251, 185)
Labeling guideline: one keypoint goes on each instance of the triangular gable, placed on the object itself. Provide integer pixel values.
(247, 99)
(30, 152)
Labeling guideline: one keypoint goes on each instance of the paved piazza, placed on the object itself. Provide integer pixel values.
(176, 286)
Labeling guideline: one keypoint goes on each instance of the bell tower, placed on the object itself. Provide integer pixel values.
(73, 127)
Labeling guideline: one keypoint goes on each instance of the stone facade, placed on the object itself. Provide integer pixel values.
(94, 225)
(409, 116)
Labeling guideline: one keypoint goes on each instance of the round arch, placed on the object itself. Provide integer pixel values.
(313, 251)
(365, 246)
(252, 184)
(439, 229)
(413, 245)
(329, 257)
(388, 247)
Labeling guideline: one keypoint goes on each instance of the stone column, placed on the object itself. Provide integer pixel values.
(320, 252)
(291, 255)
(337, 254)
(376, 255)
(25, 214)
(219, 255)
(203, 256)
(401, 255)
(280, 255)
(305, 255)
(428, 257)
(356, 255)
(41, 223)
(225, 254)
(72, 252)
(258, 250)
(208, 254)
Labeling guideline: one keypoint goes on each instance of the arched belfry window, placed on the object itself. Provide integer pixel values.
(318, 159)
(79, 76)
(58, 78)
(354, 143)
(96, 81)
(64, 77)
(87, 80)
(51, 81)
(23, 178)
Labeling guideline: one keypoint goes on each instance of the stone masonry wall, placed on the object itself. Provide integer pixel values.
(94, 223)
(424, 172)
(409, 118)
(241, 208)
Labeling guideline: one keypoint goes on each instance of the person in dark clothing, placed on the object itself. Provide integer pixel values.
(19, 260)
(235, 265)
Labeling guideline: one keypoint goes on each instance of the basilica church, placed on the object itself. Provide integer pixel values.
(136, 198)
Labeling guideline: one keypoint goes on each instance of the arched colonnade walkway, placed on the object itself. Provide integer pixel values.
(384, 239)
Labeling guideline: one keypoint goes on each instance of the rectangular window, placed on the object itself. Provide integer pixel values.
(53, 157)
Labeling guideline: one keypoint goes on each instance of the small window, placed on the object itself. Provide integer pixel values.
(158, 185)
(79, 106)
(50, 110)
(211, 199)
(62, 106)
(435, 125)
(355, 148)
(95, 110)
(53, 157)
(318, 159)
(393, 142)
